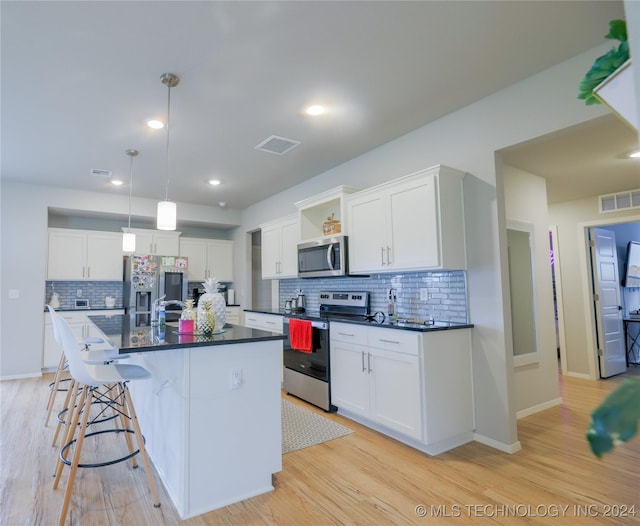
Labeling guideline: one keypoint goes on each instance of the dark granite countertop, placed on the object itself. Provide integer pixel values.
(387, 324)
(122, 333)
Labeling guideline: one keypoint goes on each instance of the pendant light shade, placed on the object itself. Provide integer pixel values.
(128, 242)
(167, 211)
(129, 238)
(166, 219)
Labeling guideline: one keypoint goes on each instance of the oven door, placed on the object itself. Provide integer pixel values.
(315, 363)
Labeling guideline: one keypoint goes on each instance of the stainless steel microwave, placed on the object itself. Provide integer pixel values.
(323, 258)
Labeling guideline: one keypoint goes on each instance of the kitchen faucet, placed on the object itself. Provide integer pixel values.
(154, 310)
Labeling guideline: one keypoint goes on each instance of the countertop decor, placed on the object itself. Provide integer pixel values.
(127, 338)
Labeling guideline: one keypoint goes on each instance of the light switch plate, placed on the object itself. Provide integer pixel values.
(424, 294)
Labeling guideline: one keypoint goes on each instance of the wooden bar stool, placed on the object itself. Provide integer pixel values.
(104, 383)
(103, 355)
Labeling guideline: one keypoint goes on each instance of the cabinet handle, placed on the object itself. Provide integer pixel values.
(270, 322)
(369, 361)
(363, 367)
(346, 334)
(388, 341)
(388, 255)
(382, 255)
(83, 272)
(88, 272)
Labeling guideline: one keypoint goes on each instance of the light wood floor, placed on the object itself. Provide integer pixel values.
(360, 479)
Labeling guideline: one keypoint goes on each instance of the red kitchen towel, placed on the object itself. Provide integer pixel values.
(300, 335)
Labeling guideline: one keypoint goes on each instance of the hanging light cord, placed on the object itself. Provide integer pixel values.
(130, 186)
(166, 195)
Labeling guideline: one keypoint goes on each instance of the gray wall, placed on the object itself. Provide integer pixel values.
(467, 140)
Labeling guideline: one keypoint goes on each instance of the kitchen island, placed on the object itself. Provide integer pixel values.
(211, 411)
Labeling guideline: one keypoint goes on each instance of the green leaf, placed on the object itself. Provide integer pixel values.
(617, 30)
(606, 64)
(616, 419)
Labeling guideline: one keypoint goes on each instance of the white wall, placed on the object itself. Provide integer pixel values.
(23, 246)
(536, 384)
(571, 219)
(467, 140)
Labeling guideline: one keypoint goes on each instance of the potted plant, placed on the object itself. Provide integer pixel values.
(610, 79)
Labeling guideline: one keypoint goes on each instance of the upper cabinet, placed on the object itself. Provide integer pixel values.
(408, 224)
(156, 242)
(280, 239)
(84, 255)
(324, 214)
(208, 258)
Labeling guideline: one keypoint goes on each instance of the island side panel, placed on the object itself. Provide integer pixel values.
(235, 442)
(162, 406)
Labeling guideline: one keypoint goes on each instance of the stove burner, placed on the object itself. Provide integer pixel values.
(377, 317)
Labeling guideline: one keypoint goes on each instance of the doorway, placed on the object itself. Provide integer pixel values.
(604, 325)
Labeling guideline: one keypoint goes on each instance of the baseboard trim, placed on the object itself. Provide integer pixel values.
(507, 448)
(537, 408)
(20, 376)
(584, 376)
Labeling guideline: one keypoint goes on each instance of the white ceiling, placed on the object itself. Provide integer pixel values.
(80, 79)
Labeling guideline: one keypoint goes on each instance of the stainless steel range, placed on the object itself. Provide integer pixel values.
(307, 368)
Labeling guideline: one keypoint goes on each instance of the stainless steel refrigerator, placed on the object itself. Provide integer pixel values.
(147, 278)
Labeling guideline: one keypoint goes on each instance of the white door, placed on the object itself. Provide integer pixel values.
(611, 344)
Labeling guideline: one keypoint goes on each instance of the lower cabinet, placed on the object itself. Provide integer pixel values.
(267, 322)
(233, 315)
(376, 382)
(412, 386)
(261, 320)
(81, 326)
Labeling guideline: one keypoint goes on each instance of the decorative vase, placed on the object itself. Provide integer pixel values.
(186, 324)
(217, 304)
(206, 317)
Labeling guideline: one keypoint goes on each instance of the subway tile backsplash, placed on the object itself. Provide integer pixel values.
(94, 291)
(446, 292)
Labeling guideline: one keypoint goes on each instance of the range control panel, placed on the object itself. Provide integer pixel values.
(350, 299)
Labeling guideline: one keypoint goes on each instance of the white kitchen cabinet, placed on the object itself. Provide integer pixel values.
(157, 242)
(208, 258)
(379, 379)
(412, 223)
(84, 255)
(81, 327)
(413, 386)
(266, 322)
(314, 211)
(232, 315)
(280, 248)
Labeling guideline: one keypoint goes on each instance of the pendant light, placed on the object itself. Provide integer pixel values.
(166, 218)
(129, 238)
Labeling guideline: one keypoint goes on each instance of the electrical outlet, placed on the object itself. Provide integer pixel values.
(235, 378)
(424, 294)
(79, 293)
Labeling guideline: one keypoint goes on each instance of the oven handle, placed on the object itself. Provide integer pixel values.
(322, 325)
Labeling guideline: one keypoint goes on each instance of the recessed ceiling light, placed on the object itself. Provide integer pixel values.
(214, 182)
(156, 125)
(116, 182)
(635, 155)
(222, 204)
(315, 110)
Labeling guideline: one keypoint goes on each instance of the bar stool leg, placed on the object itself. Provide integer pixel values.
(54, 390)
(85, 401)
(140, 440)
(74, 409)
(67, 399)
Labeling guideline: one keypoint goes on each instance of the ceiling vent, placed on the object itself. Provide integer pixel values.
(101, 173)
(277, 145)
(619, 201)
